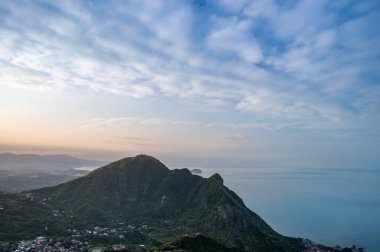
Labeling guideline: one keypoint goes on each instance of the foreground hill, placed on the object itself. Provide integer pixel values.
(142, 191)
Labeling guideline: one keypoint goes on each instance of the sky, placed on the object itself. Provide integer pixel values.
(223, 83)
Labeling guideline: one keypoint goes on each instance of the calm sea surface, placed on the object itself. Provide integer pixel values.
(329, 206)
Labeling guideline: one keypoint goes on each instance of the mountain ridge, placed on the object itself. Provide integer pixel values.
(141, 190)
(20, 172)
(34, 161)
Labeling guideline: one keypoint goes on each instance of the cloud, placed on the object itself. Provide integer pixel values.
(124, 122)
(238, 126)
(301, 59)
(233, 36)
(301, 110)
(127, 122)
(233, 6)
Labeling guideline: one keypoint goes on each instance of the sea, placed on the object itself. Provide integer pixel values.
(328, 206)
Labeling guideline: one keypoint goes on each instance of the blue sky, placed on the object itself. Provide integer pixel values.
(212, 83)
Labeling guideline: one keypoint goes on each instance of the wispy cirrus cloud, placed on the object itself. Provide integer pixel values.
(232, 36)
(126, 122)
(122, 122)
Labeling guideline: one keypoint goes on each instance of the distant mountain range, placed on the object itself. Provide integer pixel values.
(43, 163)
(141, 191)
(27, 171)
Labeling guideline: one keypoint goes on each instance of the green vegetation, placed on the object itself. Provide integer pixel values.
(141, 191)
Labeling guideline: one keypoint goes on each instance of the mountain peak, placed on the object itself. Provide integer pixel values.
(140, 166)
(139, 158)
(216, 177)
(141, 162)
(144, 156)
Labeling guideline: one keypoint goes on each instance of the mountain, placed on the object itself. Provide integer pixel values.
(43, 163)
(141, 191)
(26, 171)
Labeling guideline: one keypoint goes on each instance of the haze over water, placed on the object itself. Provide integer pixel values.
(329, 206)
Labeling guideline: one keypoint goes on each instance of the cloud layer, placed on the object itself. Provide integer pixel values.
(294, 64)
(303, 58)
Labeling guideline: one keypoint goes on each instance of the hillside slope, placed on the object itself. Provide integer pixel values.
(143, 190)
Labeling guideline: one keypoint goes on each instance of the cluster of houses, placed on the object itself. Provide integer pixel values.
(42, 244)
(99, 231)
(312, 246)
(119, 232)
(78, 240)
(118, 247)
